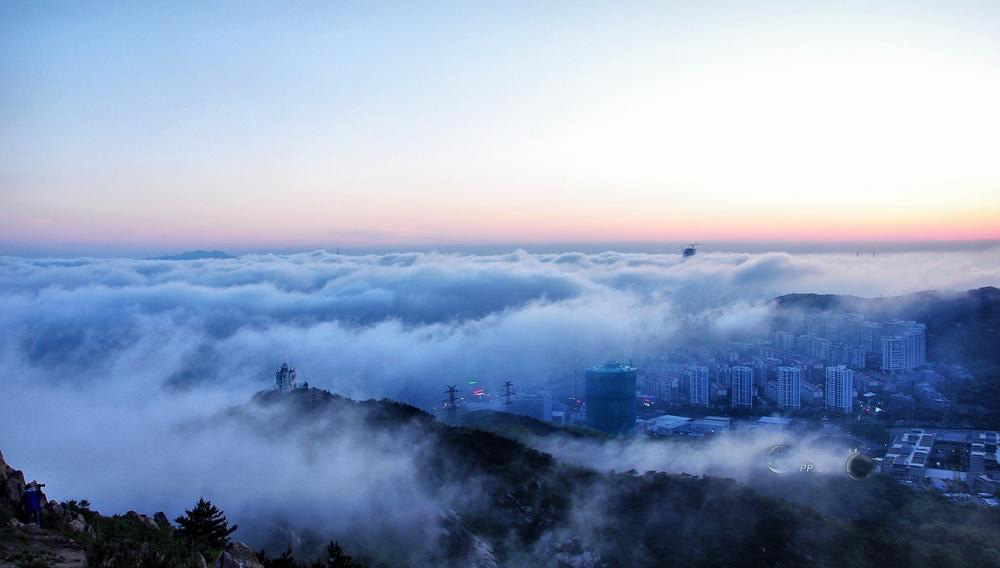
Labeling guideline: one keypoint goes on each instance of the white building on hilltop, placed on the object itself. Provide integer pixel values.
(285, 378)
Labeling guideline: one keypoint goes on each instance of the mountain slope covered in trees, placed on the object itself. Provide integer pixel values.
(501, 503)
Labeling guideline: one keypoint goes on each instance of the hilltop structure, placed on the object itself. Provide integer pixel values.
(285, 378)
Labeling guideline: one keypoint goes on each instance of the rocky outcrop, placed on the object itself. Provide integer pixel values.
(76, 524)
(54, 542)
(55, 516)
(12, 490)
(11, 485)
(161, 520)
(238, 555)
(28, 545)
(141, 519)
(460, 542)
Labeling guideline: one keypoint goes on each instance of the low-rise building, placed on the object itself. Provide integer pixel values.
(711, 425)
(665, 425)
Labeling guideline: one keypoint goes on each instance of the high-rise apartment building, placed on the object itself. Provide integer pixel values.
(783, 340)
(741, 386)
(789, 387)
(839, 392)
(903, 345)
(698, 385)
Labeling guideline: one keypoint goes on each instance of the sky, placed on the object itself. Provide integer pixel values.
(165, 126)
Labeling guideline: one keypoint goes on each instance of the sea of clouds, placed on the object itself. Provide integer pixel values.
(402, 325)
(104, 359)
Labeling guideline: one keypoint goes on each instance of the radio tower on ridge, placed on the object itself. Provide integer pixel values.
(451, 403)
(508, 394)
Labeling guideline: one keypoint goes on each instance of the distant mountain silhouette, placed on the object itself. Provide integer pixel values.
(194, 255)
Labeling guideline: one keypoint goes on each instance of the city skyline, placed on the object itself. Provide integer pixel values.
(258, 127)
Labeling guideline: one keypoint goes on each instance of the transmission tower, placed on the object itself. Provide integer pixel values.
(508, 394)
(451, 403)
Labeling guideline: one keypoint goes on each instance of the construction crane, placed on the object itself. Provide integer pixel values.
(690, 250)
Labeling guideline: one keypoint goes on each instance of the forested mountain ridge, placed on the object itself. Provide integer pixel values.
(501, 503)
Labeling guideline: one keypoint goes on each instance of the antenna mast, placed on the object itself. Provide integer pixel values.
(451, 403)
(508, 394)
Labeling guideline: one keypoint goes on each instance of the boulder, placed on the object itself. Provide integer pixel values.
(76, 523)
(161, 520)
(238, 555)
(11, 484)
(55, 509)
(140, 519)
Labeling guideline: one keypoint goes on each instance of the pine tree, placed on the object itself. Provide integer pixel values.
(205, 526)
(286, 560)
(336, 558)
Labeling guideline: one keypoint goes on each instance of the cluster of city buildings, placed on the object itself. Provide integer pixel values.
(851, 340)
(612, 396)
(834, 361)
(786, 374)
(830, 364)
(950, 460)
(780, 384)
(771, 382)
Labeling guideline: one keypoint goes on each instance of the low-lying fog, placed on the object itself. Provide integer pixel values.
(105, 359)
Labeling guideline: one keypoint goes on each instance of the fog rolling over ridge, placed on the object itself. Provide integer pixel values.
(386, 325)
(116, 370)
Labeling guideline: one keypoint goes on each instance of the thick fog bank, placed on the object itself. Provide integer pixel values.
(106, 360)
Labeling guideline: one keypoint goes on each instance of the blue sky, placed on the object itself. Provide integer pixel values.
(256, 125)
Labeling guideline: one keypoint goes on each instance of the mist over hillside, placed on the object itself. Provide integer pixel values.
(396, 487)
(474, 498)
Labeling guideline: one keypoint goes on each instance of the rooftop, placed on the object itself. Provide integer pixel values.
(612, 367)
(667, 422)
(718, 418)
(776, 420)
